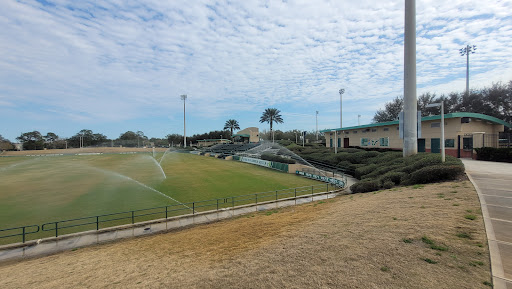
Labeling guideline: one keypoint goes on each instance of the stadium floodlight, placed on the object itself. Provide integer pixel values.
(467, 51)
(184, 98)
(441, 104)
(341, 91)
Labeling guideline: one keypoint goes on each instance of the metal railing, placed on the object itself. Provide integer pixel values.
(131, 217)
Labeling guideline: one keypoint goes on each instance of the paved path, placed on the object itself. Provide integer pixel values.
(493, 182)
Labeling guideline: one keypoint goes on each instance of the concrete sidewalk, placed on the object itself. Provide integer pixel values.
(493, 182)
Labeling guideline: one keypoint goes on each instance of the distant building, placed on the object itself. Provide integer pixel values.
(18, 146)
(248, 135)
(464, 131)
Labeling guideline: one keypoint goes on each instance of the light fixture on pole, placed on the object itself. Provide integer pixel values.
(342, 91)
(184, 98)
(441, 104)
(317, 125)
(467, 51)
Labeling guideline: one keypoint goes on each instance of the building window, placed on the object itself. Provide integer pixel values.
(347, 132)
(364, 142)
(363, 131)
(384, 141)
(467, 143)
(449, 143)
(386, 129)
(374, 129)
(435, 124)
(355, 131)
(465, 120)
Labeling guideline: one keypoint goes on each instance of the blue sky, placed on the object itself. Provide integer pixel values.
(114, 66)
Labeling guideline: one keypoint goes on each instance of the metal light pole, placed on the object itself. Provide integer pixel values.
(467, 51)
(184, 98)
(342, 91)
(317, 125)
(410, 100)
(358, 119)
(441, 104)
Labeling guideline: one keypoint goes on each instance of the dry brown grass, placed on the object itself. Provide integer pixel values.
(82, 150)
(354, 241)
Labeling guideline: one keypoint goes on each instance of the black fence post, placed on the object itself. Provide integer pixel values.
(133, 218)
(193, 208)
(166, 212)
(276, 195)
(56, 229)
(217, 204)
(23, 234)
(97, 223)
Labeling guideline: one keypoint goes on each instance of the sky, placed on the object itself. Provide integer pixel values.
(114, 66)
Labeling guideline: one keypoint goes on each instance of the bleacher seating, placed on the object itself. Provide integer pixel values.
(230, 149)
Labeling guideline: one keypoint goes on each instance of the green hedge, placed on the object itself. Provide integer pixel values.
(434, 174)
(365, 186)
(494, 154)
(379, 170)
(276, 158)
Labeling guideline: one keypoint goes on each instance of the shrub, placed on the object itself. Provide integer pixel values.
(387, 184)
(435, 173)
(278, 159)
(364, 170)
(365, 186)
(395, 177)
(494, 154)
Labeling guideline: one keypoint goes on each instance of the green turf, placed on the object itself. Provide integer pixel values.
(35, 190)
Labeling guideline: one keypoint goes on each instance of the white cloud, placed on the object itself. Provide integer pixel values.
(126, 61)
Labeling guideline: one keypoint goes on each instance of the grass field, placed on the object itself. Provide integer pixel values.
(35, 190)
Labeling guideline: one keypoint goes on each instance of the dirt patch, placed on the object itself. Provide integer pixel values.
(82, 151)
(416, 237)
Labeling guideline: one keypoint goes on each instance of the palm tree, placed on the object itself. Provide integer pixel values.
(231, 124)
(271, 115)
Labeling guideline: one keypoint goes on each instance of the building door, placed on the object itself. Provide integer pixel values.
(339, 142)
(421, 145)
(330, 143)
(346, 142)
(435, 145)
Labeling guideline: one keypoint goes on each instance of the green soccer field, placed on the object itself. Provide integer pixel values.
(35, 190)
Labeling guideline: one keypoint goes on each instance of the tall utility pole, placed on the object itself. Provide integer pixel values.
(342, 91)
(317, 125)
(467, 51)
(184, 98)
(410, 101)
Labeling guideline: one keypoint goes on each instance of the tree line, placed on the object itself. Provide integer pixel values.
(87, 138)
(495, 101)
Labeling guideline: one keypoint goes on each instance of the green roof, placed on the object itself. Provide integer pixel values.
(427, 118)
